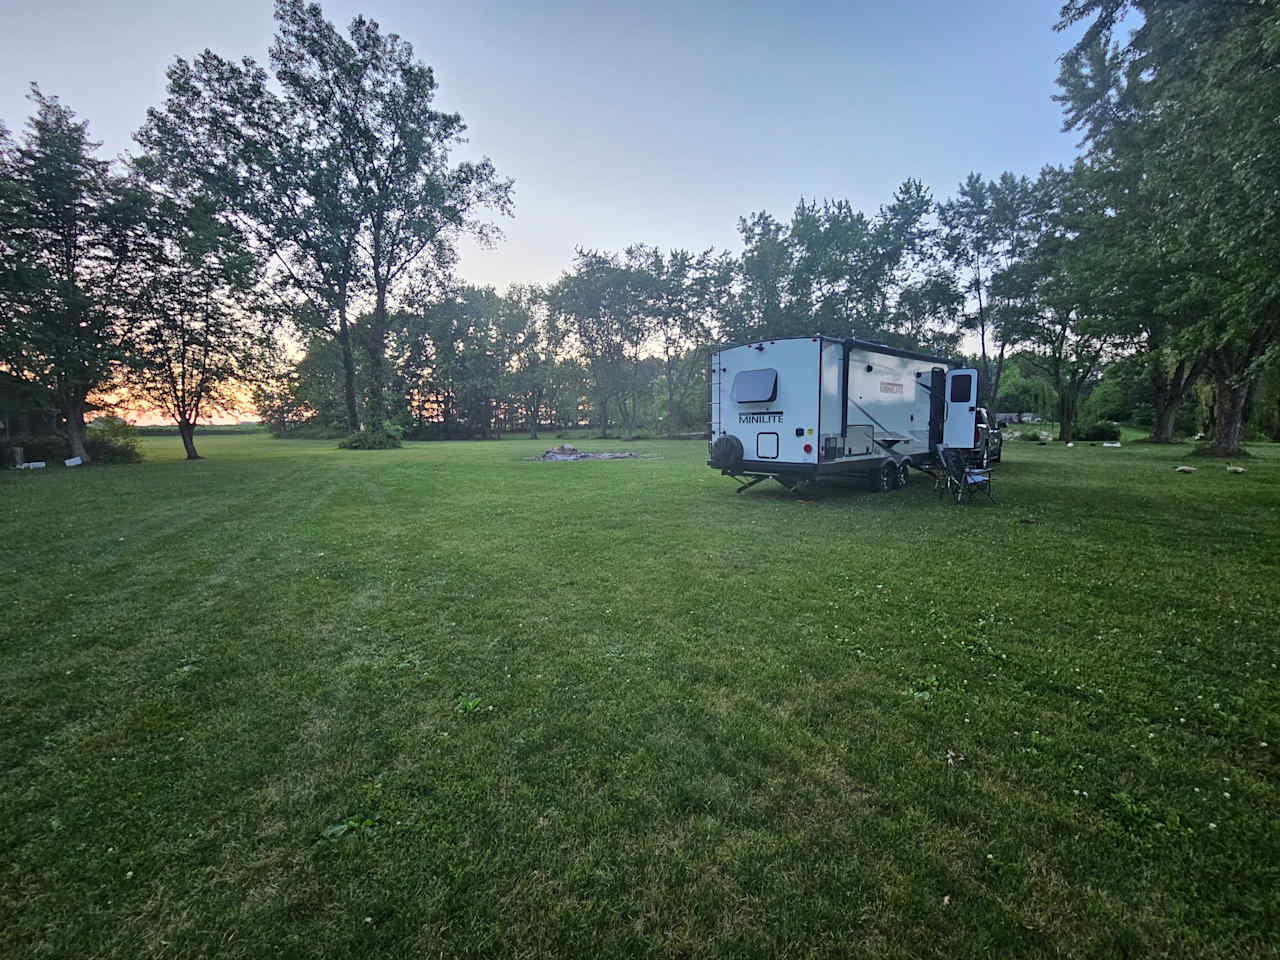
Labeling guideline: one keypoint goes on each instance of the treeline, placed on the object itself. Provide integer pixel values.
(1139, 283)
(289, 235)
(262, 205)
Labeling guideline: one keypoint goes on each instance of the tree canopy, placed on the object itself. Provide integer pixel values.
(289, 232)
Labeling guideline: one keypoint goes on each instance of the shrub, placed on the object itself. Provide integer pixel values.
(107, 440)
(368, 440)
(1032, 435)
(1102, 430)
(46, 446)
(112, 440)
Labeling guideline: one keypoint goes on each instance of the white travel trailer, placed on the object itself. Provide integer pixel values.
(810, 408)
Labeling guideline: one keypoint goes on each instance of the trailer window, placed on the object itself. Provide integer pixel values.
(961, 388)
(755, 386)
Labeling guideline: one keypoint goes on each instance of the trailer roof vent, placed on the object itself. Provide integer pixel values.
(755, 386)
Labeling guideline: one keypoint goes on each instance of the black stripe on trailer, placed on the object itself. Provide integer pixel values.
(844, 396)
(817, 438)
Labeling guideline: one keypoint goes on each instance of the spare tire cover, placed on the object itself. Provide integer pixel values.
(726, 452)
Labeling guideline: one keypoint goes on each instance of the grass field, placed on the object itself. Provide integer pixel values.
(291, 701)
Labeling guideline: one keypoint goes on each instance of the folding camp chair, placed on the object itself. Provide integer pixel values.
(949, 476)
(976, 481)
(957, 480)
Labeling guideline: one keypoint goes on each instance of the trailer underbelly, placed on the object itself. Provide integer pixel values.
(861, 467)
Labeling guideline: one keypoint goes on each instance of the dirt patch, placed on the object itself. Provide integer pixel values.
(563, 453)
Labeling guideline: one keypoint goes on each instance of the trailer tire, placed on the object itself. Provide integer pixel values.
(727, 453)
(883, 479)
(902, 475)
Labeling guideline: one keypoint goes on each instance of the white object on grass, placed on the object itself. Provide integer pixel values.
(33, 465)
(1070, 444)
(1184, 469)
(72, 462)
(1231, 469)
(1106, 444)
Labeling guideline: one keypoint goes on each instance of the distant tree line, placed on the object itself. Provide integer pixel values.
(287, 235)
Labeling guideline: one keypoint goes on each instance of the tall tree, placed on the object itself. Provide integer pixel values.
(281, 172)
(69, 226)
(604, 303)
(682, 291)
(375, 99)
(532, 345)
(986, 228)
(1185, 108)
(766, 265)
(1049, 295)
(851, 268)
(193, 290)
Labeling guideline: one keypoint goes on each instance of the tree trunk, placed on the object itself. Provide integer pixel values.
(604, 417)
(377, 410)
(985, 366)
(348, 371)
(1067, 394)
(74, 414)
(188, 433)
(994, 386)
(1166, 414)
(671, 399)
(1167, 395)
(628, 419)
(1228, 413)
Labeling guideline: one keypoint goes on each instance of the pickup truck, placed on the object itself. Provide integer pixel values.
(988, 439)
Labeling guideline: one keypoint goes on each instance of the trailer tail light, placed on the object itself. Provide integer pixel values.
(808, 448)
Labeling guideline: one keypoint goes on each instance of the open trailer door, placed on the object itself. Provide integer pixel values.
(962, 409)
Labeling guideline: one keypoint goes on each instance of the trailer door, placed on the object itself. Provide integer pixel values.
(962, 407)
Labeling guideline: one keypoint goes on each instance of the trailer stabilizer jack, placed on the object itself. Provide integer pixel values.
(747, 485)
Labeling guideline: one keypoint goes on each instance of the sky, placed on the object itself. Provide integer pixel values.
(620, 123)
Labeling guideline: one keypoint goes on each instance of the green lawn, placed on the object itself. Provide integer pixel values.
(291, 701)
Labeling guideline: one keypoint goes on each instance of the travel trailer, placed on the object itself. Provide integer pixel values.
(805, 409)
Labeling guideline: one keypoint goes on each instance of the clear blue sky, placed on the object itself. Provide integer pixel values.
(659, 122)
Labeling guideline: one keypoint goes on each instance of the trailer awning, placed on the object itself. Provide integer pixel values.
(755, 386)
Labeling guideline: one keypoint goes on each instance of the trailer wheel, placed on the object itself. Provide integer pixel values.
(882, 481)
(902, 476)
(727, 453)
